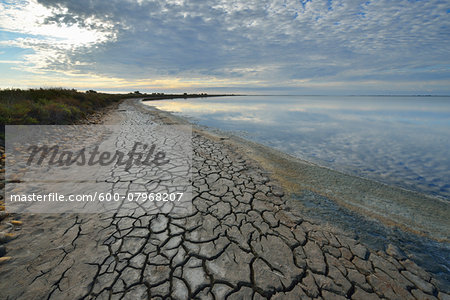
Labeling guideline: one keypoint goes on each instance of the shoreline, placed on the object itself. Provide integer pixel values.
(404, 183)
(296, 175)
(185, 96)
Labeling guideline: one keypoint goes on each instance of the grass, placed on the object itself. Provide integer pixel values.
(49, 106)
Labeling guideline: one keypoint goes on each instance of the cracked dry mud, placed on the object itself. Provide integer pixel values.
(240, 242)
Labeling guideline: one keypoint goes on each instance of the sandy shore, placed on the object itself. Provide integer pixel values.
(246, 239)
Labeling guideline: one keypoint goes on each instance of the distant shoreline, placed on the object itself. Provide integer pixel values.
(184, 96)
(318, 95)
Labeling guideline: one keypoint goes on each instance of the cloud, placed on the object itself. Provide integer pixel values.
(52, 43)
(262, 43)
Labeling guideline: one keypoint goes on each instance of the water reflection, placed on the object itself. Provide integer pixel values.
(397, 140)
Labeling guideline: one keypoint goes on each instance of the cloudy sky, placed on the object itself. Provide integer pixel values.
(252, 46)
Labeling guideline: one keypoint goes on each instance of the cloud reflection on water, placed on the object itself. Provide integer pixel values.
(397, 140)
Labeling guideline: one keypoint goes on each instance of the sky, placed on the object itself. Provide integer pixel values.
(231, 46)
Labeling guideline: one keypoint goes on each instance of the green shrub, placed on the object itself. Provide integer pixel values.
(49, 106)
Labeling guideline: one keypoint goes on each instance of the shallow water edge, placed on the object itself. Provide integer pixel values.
(374, 212)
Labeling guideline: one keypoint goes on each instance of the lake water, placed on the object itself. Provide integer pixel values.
(401, 141)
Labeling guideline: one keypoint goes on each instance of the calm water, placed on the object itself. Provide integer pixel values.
(403, 141)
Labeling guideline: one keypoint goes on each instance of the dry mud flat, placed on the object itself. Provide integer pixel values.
(241, 241)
